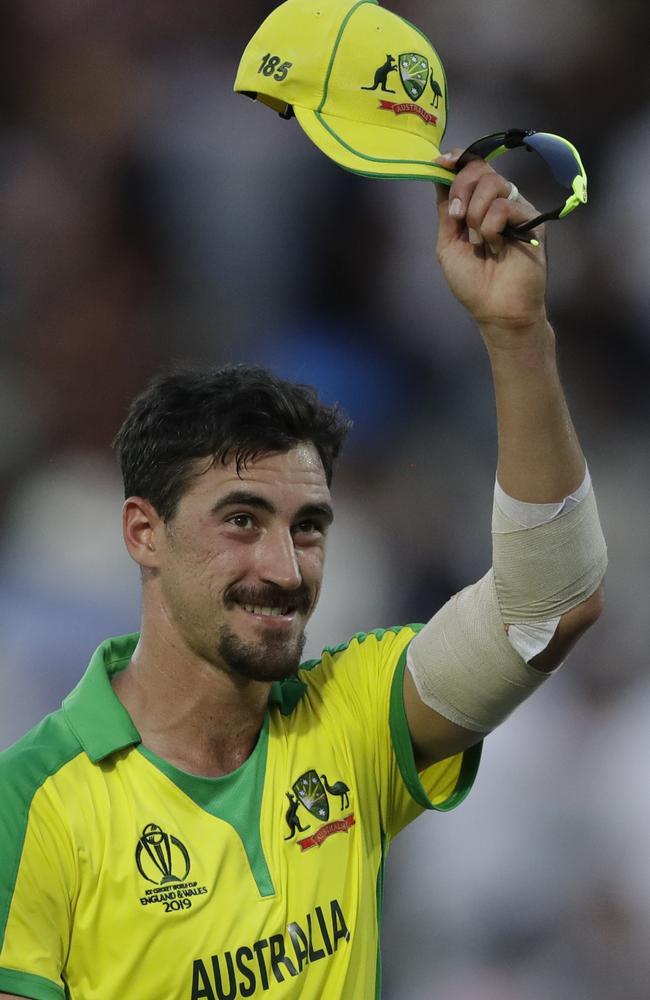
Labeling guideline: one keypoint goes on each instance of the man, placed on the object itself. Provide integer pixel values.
(206, 818)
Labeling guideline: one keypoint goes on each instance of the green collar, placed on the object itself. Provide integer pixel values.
(100, 721)
(93, 711)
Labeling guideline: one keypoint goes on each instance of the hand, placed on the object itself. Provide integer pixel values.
(501, 281)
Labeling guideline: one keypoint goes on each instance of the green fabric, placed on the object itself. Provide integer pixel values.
(380, 909)
(287, 693)
(24, 767)
(376, 633)
(403, 747)
(93, 711)
(235, 798)
(25, 985)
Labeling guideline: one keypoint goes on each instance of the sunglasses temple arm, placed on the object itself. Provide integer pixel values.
(521, 232)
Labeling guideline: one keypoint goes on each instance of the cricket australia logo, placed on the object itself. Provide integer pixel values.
(415, 74)
(163, 859)
(311, 792)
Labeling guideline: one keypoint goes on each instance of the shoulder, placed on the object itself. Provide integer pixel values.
(376, 645)
(37, 756)
(367, 658)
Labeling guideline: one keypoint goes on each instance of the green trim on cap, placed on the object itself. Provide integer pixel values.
(400, 177)
(24, 769)
(24, 984)
(365, 156)
(93, 711)
(336, 45)
(235, 798)
(403, 747)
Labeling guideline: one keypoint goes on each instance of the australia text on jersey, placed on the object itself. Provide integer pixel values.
(242, 971)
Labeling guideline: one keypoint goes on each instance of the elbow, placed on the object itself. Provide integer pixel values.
(573, 624)
(591, 609)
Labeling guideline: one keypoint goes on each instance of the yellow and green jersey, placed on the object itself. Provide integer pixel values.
(125, 878)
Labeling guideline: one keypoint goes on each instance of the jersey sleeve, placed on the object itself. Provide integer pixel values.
(367, 681)
(37, 877)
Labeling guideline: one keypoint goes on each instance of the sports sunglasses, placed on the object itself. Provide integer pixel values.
(560, 156)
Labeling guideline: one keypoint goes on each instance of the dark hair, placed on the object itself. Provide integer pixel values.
(240, 412)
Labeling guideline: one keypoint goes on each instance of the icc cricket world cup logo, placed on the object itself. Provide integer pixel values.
(161, 858)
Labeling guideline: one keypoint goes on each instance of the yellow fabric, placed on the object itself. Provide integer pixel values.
(128, 889)
(367, 87)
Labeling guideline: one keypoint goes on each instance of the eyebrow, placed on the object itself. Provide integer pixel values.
(250, 499)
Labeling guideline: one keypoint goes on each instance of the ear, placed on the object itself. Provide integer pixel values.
(142, 528)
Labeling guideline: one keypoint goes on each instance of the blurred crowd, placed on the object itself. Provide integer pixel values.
(150, 214)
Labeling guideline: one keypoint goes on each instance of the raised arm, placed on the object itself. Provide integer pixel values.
(493, 644)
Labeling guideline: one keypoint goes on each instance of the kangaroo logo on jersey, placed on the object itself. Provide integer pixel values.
(164, 860)
(415, 74)
(311, 792)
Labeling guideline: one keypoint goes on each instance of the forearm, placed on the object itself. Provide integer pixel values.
(539, 458)
(492, 644)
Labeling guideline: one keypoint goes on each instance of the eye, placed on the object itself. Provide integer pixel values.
(311, 528)
(244, 521)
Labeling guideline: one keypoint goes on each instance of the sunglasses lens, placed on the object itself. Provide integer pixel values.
(557, 154)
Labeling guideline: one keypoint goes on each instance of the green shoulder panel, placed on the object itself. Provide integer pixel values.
(24, 985)
(24, 768)
(376, 633)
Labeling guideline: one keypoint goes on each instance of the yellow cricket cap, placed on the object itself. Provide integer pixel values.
(367, 87)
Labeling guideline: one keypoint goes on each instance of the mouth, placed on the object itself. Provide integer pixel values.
(269, 614)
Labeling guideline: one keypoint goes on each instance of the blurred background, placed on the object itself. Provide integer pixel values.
(149, 214)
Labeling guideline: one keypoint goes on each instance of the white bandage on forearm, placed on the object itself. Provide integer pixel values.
(463, 664)
(543, 571)
(531, 637)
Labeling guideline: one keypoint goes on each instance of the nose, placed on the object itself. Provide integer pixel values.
(277, 560)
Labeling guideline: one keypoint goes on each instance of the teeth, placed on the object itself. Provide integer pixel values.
(257, 609)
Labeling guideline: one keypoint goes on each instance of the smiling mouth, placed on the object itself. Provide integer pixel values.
(268, 612)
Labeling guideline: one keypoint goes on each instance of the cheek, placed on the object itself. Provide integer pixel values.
(203, 572)
(311, 563)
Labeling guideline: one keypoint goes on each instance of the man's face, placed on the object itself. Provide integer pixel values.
(242, 562)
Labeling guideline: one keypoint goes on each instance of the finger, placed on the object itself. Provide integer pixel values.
(494, 222)
(502, 213)
(464, 184)
(481, 194)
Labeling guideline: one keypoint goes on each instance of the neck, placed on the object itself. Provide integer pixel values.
(193, 714)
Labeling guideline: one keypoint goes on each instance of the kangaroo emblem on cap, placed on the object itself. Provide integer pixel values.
(381, 75)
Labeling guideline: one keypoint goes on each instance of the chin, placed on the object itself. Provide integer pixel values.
(268, 661)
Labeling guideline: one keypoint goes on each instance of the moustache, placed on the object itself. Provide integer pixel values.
(273, 597)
